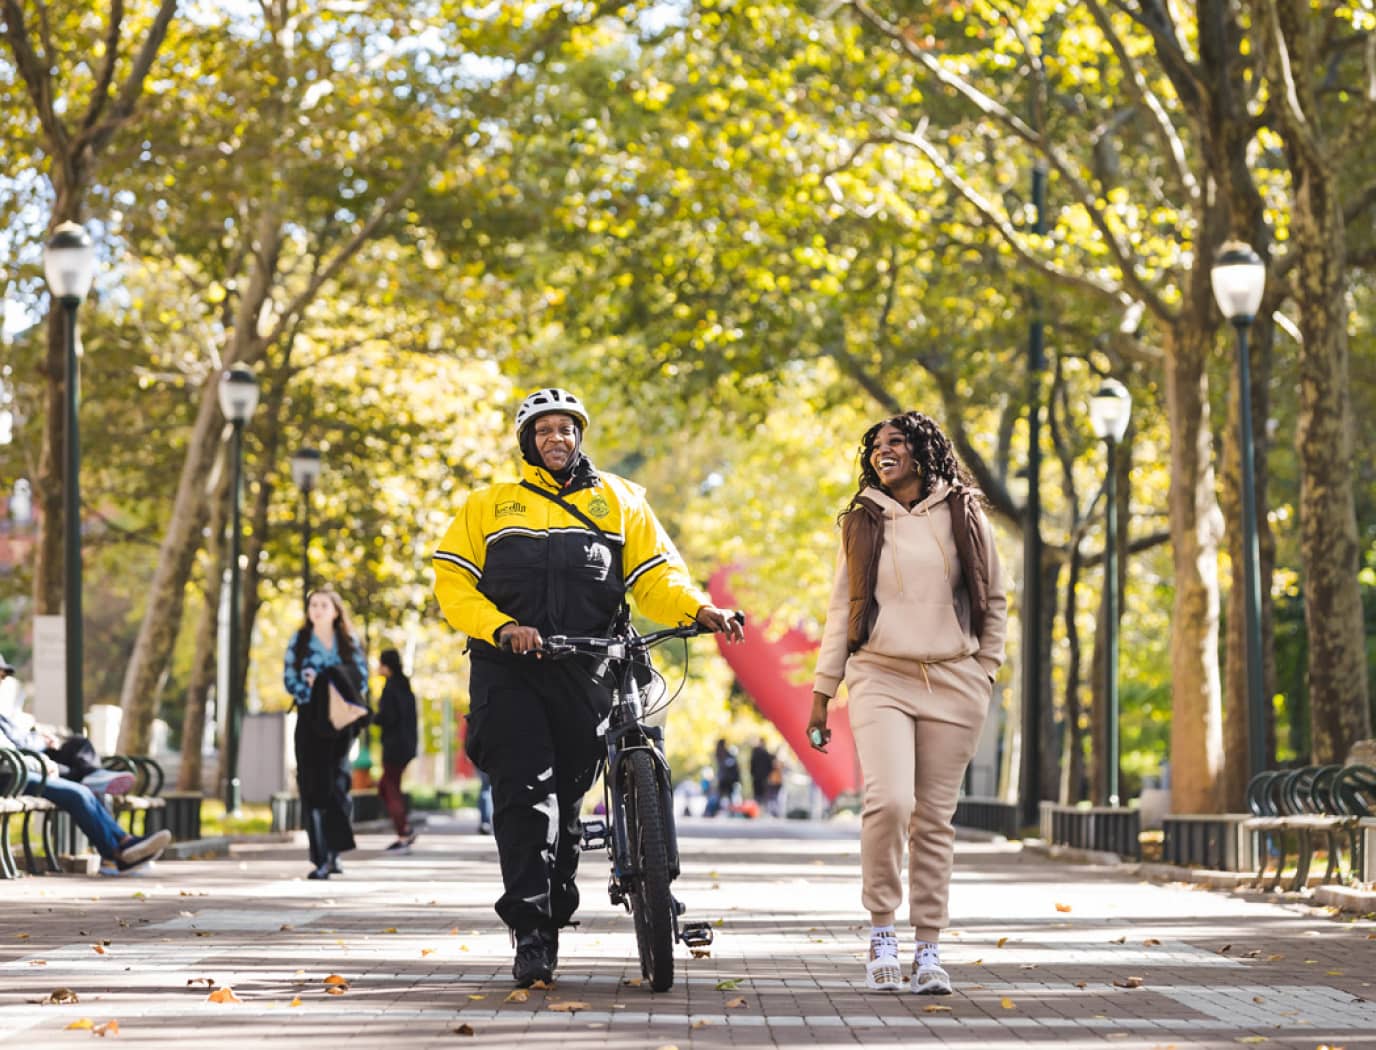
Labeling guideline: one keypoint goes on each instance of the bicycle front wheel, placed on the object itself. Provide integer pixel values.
(652, 904)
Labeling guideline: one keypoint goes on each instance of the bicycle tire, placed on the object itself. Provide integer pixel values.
(652, 903)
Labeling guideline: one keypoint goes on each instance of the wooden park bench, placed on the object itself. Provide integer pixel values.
(1312, 806)
(15, 801)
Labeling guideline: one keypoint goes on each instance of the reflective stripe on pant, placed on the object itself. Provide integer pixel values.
(533, 729)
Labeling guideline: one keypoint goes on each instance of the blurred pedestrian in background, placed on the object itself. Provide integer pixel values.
(396, 718)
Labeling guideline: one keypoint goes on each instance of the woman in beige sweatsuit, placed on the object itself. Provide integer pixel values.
(916, 628)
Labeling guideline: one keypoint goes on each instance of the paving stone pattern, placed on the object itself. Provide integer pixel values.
(1040, 952)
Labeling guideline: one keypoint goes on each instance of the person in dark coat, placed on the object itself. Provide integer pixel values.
(396, 717)
(325, 652)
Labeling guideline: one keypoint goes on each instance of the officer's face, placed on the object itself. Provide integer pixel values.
(556, 440)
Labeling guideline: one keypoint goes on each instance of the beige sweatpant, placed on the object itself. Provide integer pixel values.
(916, 727)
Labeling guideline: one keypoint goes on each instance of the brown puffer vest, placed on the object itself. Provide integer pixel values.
(862, 532)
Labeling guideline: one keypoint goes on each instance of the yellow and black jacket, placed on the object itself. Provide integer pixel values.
(513, 556)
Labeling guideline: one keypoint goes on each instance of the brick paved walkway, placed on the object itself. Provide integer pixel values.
(1040, 952)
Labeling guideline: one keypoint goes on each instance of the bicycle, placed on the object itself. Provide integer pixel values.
(638, 831)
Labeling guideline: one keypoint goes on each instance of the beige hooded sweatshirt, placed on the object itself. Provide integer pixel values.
(924, 611)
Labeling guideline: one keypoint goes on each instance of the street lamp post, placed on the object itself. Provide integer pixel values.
(69, 264)
(238, 399)
(305, 471)
(1239, 277)
(1030, 773)
(1109, 410)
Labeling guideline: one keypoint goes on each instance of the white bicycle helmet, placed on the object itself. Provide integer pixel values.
(551, 399)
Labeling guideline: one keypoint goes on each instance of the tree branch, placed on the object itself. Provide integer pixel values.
(36, 76)
(1175, 148)
(100, 94)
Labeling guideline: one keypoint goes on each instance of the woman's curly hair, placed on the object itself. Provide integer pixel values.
(931, 449)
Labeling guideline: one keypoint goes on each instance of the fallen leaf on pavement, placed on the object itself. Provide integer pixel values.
(520, 995)
(23, 936)
(1001, 942)
(636, 982)
(1334, 973)
(99, 949)
(1120, 940)
(1151, 942)
(334, 978)
(286, 927)
(701, 1023)
(1225, 949)
(82, 1023)
(295, 1002)
(1007, 1003)
(1274, 957)
(540, 986)
(390, 929)
(1258, 999)
(453, 931)
(110, 1027)
(209, 982)
(476, 996)
(1130, 982)
(426, 951)
(978, 962)
(736, 1003)
(464, 1029)
(701, 953)
(1081, 984)
(38, 962)
(1062, 907)
(60, 995)
(935, 1009)
(725, 985)
(568, 1006)
(336, 989)
(1254, 953)
(223, 995)
(1252, 1039)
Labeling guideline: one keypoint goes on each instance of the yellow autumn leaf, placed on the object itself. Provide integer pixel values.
(568, 1006)
(476, 996)
(23, 936)
(700, 1023)
(736, 1003)
(936, 1009)
(1252, 1039)
(110, 1027)
(426, 951)
(1007, 1003)
(334, 978)
(390, 929)
(99, 949)
(295, 1002)
(1062, 907)
(1000, 942)
(223, 995)
(520, 995)
(82, 1023)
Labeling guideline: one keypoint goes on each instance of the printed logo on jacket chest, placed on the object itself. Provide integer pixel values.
(509, 507)
(598, 508)
(599, 557)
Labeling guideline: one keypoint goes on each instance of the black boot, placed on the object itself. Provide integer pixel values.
(532, 959)
(332, 864)
(551, 938)
(321, 872)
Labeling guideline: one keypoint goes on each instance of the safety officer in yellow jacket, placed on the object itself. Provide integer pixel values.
(513, 566)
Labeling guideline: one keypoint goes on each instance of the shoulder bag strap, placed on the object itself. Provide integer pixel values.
(568, 507)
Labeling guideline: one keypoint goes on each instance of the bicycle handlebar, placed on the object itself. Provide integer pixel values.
(567, 645)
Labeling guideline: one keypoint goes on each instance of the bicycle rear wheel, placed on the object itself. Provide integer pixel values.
(652, 904)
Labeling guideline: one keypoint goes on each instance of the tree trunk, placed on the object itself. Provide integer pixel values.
(205, 662)
(162, 615)
(1196, 705)
(1330, 548)
(1073, 764)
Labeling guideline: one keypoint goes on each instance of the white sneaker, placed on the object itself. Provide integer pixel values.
(930, 979)
(883, 973)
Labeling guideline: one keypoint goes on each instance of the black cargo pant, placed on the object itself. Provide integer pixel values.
(532, 728)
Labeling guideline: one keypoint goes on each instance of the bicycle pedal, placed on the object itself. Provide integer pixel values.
(594, 834)
(696, 934)
(615, 892)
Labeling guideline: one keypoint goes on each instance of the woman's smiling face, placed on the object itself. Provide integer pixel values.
(892, 458)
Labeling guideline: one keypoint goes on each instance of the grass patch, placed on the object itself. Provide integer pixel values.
(254, 818)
